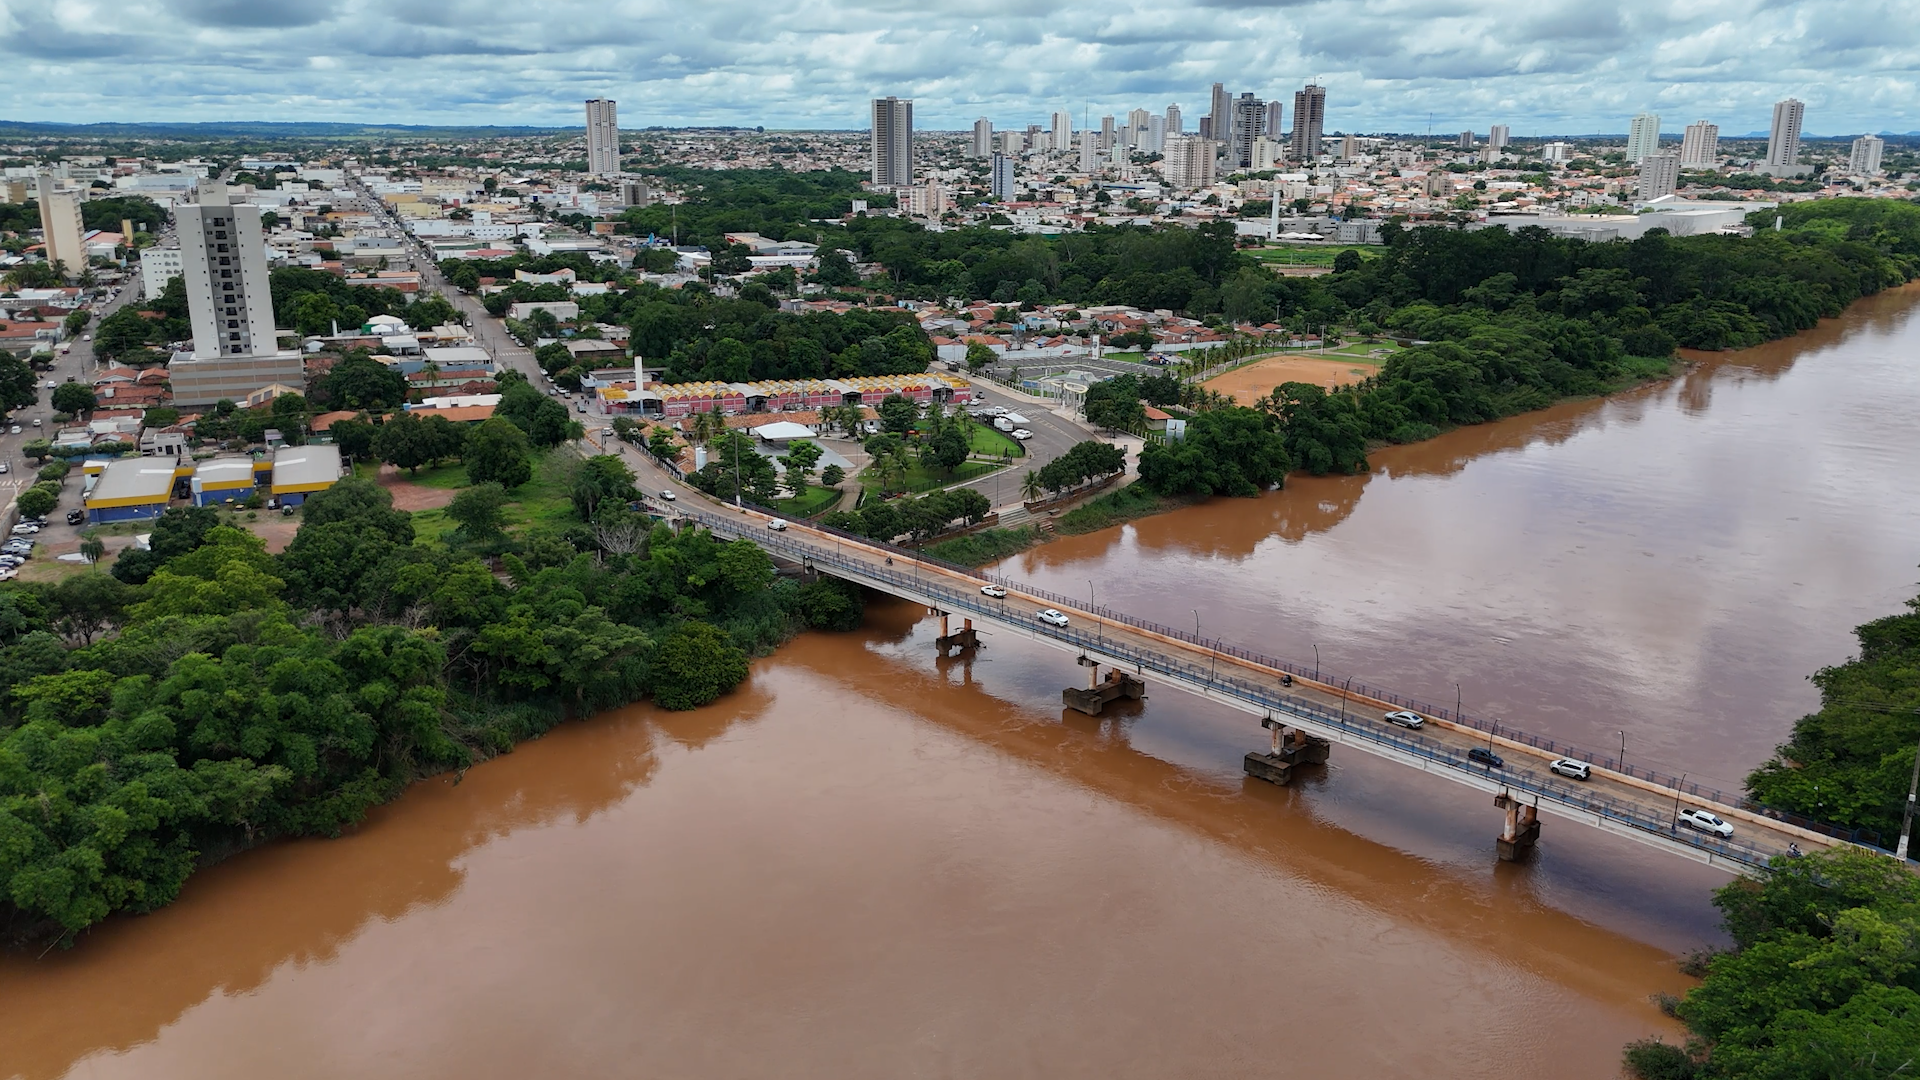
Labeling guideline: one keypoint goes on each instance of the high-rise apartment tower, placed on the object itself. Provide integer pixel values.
(982, 143)
(1783, 144)
(224, 266)
(892, 142)
(1309, 119)
(61, 230)
(1700, 145)
(1643, 137)
(1865, 158)
(603, 138)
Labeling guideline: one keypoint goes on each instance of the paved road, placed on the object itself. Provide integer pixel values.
(1624, 805)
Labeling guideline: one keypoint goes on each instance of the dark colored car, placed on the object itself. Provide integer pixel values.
(75, 517)
(1480, 755)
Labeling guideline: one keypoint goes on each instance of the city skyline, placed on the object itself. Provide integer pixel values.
(1559, 69)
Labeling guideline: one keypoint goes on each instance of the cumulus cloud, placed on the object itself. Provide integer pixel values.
(1545, 66)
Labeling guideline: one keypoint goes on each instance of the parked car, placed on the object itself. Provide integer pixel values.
(998, 592)
(1052, 618)
(1022, 434)
(1578, 770)
(1480, 755)
(668, 495)
(76, 516)
(37, 422)
(1694, 818)
(777, 524)
(5, 468)
(606, 433)
(24, 529)
(1406, 719)
(51, 384)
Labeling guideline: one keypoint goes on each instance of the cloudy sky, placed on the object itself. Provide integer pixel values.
(1542, 66)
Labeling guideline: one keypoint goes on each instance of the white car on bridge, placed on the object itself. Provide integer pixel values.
(1695, 818)
(998, 592)
(1405, 719)
(1052, 618)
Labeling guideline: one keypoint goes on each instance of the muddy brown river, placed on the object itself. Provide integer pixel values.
(871, 863)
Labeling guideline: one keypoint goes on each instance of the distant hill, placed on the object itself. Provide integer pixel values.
(255, 129)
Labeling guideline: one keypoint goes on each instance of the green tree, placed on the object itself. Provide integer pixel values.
(480, 511)
(601, 479)
(73, 398)
(898, 414)
(694, 665)
(832, 476)
(17, 387)
(979, 356)
(361, 382)
(92, 547)
(497, 452)
(35, 502)
(800, 458)
(404, 442)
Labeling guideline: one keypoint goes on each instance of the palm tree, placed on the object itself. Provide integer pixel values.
(1030, 486)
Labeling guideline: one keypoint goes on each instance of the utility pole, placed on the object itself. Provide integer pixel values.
(1906, 818)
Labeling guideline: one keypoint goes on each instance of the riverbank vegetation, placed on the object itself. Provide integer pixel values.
(1823, 980)
(1851, 763)
(210, 695)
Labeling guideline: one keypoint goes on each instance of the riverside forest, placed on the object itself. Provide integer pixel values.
(209, 696)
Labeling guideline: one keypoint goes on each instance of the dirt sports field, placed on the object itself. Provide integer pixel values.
(1258, 379)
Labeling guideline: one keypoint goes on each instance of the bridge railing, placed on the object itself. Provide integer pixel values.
(968, 601)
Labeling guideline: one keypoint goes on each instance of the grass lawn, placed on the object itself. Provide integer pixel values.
(1311, 254)
(1130, 356)
(985, 439)
(919, 479)
(813, 502)
(1361, 350)
(541, 501)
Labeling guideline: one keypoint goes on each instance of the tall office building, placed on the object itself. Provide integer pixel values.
(1173, 121)
(1498, 136)
(1659, 176)
(224, 264)
(61, 231)
(1309, 119)
(982, 143)
(1466, 140)
(603, 138)
(1349, 147)
(1156, 134)
(892, 142)
(1783, 145)
(1188, 164)
(1137, 119)
(1003, 177)
(1700, 145)
(1643, 137)
(1249, 123)
(1276, 117)
(1206, 127)
(1865, 158)
(1089, 151)
(1106, 133)
(1062, 131)
(1220, 112)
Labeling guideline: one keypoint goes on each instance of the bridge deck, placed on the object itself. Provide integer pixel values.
(1635, 803)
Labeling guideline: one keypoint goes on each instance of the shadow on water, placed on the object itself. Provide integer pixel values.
(1500, 915)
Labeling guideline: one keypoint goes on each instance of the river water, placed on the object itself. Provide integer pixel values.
(870, 863)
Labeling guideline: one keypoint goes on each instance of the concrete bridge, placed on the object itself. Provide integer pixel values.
(1303, 717)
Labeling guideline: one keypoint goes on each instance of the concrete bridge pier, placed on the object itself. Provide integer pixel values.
(1291, 748)
(1522, 829)
(1118, 684)
(964, 640)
